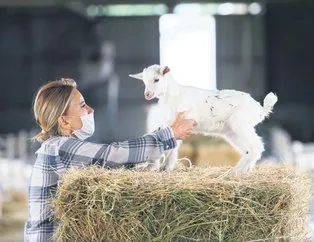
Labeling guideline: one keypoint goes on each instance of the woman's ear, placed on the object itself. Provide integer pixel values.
(64, 126)
(64, 123)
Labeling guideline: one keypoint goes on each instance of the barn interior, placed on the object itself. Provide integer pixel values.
(251, 46)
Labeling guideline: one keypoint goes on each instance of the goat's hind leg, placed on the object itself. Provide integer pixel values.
(248, 143)
(256, 147)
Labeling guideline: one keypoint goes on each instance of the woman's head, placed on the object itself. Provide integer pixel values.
(58, 106)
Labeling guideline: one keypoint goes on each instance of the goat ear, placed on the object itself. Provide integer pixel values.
(164, 70)
(137, 76)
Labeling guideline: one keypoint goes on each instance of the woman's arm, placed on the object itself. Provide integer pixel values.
(77, 153)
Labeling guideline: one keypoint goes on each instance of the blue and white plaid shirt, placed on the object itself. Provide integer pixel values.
(60, 153)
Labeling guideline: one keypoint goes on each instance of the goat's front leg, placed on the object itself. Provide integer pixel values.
(171, 159)
(153, 165)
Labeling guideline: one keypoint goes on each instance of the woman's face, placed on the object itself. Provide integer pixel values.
(77, 108)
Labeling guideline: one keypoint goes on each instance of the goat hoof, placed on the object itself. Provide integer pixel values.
(165, 168)
(153, 168)
(241, 170)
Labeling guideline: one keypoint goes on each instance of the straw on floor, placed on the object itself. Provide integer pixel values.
(269, 204)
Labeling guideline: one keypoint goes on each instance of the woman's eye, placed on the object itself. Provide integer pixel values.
(83, 106)
(156, 80)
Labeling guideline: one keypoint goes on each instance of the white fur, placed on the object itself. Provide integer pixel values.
(227, 113)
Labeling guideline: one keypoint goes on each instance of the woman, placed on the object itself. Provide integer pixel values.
(66, 121)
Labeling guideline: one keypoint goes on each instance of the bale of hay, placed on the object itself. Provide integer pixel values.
(209, 204)
(208, 151)
(218, 155)
(204, 155)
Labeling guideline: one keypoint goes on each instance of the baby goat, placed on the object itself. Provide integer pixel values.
(227, 113)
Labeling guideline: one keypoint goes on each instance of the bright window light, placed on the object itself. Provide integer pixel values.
(241, 8)
(188, 9)
(255, 8)
(227, 8)
(196, 9)
(122, 10)
(187, 46)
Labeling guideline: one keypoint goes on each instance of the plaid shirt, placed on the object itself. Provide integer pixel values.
(59, 153)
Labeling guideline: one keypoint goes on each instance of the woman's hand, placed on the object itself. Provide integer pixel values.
(182, 127)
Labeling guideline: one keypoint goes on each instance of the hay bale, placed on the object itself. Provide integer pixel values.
(217, 155)
(204, 151)
(188, 205)
(205, 155)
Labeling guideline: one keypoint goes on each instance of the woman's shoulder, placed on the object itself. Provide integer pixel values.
(52, 145)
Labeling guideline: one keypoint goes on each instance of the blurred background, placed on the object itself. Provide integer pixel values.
(249, 46)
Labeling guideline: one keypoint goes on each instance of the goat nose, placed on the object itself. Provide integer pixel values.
(146, 94)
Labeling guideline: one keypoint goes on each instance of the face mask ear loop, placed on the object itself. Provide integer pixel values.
(71, 130)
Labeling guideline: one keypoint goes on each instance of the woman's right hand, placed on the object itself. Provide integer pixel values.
(182, 127)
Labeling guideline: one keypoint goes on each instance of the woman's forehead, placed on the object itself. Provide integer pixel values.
(77, 98)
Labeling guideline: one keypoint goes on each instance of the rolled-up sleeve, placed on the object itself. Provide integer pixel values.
(76, 153)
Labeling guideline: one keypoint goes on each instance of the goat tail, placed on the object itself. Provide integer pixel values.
(269, 102)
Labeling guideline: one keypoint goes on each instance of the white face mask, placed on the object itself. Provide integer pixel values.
(88, 127)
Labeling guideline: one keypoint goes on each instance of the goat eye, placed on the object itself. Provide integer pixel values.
(156, 80)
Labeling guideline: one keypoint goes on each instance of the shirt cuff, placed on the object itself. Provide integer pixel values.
(166, 136)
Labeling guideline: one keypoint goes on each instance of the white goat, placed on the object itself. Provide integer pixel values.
(227, 113)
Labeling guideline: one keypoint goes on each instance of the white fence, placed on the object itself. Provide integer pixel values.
(16, 159)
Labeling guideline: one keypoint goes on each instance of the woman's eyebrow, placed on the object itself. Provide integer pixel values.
(78, 103)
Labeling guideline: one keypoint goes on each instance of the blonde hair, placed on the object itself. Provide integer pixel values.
(51, 101)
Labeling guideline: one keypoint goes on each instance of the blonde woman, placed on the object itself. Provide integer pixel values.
(66, 121)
